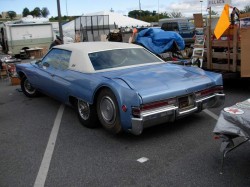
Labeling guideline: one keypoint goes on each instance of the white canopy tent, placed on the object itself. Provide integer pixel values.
(115, 20)
(121, 20)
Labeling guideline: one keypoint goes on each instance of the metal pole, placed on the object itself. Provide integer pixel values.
(201, 6)
(209, 54)
(158, 11)
(67, 8)
(140, 8)
(59, 19)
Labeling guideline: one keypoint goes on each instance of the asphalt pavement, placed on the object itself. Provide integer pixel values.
(183, 153)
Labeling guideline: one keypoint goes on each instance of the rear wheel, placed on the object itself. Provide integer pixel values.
(108, 113)
(27, 89)
(87, 114)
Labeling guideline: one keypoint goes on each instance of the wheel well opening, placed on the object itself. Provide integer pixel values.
(72, 100)
(21, 75)
(98, 92)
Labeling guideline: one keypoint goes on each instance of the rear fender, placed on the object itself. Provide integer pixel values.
(125, 96)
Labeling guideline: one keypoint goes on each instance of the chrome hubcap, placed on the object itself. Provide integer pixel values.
(83, 109)
(28, 88)
(108, 110)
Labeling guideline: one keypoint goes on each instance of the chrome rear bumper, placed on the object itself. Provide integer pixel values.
(171, 113)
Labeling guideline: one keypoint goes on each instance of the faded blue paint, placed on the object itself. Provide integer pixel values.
(131, 86)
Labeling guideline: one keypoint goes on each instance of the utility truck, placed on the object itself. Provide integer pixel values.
(182, 26)
(229, 54)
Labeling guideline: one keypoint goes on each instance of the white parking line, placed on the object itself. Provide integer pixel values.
(142, 159)
(211, 114)
(44, 168)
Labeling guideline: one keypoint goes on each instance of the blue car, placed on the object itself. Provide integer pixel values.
(121, 86)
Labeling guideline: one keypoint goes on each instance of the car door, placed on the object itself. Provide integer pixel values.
(46, 72)
(62, 77)
(42, 75)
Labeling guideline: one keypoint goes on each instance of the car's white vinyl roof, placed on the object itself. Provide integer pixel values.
(80, 61)
(90, 47)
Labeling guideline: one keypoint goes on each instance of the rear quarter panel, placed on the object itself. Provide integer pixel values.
(88, 86)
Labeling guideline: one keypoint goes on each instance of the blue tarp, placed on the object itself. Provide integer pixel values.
(159, 41)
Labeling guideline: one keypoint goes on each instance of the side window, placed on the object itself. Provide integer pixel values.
(174, 26)
(64, 59)
(57, 59)
(170, 26)
(165, 27)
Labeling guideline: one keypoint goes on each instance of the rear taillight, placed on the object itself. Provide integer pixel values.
(158, 104)
(136, 111)
(217, 89)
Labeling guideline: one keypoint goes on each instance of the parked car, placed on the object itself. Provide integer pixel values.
(120, 85)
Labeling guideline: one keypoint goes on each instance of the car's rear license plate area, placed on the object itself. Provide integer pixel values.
(186, 102)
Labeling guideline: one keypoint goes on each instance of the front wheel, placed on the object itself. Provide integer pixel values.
(87, 114)
(108, 113)
(27, 89)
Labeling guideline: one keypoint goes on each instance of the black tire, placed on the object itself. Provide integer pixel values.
(87, 114)
(27, 89)
(108, 113)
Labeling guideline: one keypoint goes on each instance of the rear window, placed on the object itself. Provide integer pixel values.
(121, 57)
(170, 26)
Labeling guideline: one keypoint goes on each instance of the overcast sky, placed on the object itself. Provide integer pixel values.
(80, 7)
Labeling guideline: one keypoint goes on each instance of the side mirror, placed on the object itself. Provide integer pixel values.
(46, 64)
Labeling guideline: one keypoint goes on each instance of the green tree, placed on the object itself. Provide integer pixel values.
(246, 9)
(147, 15)
(36, 12)
(45, 12)
(164, 15)
(26, 12)
(134, 14)
(11, 14)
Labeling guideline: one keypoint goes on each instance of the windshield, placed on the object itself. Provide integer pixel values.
(121, 57)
